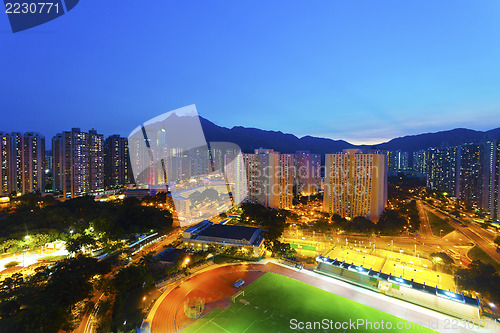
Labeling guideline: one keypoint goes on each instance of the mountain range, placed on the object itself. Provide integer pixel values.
(251, 138)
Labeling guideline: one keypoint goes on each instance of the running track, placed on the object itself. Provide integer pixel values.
(164, 317)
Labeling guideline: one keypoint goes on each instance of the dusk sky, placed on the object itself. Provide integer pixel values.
(363, 71)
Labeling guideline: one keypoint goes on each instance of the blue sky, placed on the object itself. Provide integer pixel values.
(360, 70)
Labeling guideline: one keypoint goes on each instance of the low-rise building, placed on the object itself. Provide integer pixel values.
(205, 235)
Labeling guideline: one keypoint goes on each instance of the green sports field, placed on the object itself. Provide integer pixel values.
(272, 300)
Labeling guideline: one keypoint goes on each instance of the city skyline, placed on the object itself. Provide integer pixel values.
(250, 166)
(49, 135)
(398, 71)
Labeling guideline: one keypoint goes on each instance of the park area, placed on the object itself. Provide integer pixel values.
(270, 302)
(439, 226)
(395, 263)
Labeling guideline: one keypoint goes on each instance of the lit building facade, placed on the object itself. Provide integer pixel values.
(269, 178)
(22, 162)
(236, 176)
(442, 169)
(285, 175)
(397, 161)
(307, 174)
(355, 184)
(420, 161)
(33, 159)
(116, 162)
(5, 165)
(78, 162)
(473, 175)
(16, 166)
(61, 163)
(96, 161)
(494, 180)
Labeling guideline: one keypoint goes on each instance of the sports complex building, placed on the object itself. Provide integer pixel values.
(205, 235)
(422, 294)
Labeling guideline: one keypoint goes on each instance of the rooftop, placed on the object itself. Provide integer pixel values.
(229, 232)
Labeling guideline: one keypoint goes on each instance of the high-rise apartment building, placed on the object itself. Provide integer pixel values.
(25, 161)
(96, 164)
(307, 174)
(61, 163)
(494, 180)
(116, 161)
(5, 165)
(236, 176)
(78, 162)
(32, 162)
(285, 174)
(21, 163)
(442, 166)
(470, 189)
(420, 161)
(269, 178)
(397, 161)
(47, 169)
(355, 184)
(476, 168)
(16, 166)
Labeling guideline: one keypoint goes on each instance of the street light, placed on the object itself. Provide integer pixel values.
(440, 233)
(26, 238)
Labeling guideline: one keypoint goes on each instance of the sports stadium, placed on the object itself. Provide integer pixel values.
(276, 298)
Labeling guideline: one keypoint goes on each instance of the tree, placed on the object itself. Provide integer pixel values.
(443, 256)
(480, 277)
(9, 308)
(148, 259)
(283, 250)
(76, 244)
(52, 296)
(363, 225)
(11, 264)
(322, 225)
(390, 222)
(131, 277)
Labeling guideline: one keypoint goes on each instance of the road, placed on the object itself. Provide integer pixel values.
(163, 315)
(474, 233)
(425, 226)
(30, 258)
(87, 323)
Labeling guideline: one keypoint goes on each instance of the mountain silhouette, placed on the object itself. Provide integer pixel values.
(252, 138)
